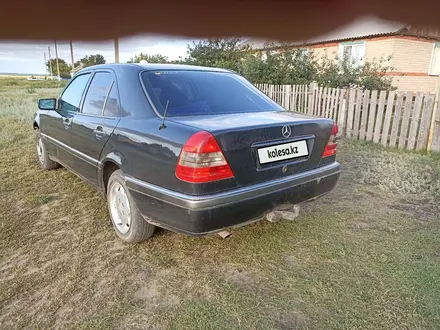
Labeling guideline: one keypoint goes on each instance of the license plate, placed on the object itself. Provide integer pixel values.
(283, 151)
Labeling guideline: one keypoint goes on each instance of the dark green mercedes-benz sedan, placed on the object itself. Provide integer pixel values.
(190, 149)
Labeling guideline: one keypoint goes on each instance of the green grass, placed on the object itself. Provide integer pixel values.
(8, 83)
(31, 90)
(366, 256)
(21, 104)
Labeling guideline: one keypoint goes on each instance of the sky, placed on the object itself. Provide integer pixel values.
(28, 57)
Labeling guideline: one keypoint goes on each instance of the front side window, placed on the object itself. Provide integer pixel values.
(204, 93)
(97, 93)
(352, 54)
(71, 97)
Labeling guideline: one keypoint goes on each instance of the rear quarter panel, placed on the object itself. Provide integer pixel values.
(149, 154)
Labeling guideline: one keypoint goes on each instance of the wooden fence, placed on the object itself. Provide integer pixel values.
(406, 120)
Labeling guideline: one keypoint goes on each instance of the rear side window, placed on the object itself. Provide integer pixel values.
(71, 97)
(112, 105)
(203, 92)
(97, 93)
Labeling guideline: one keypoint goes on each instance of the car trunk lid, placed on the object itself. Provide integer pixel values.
(264, 146)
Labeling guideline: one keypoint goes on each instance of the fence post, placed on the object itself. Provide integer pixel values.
(311, 97)
(343, 112)
(294, 97)
(425, 120)
(387, 121)
(364, 116)
(350, 112)
(435, 145)
(434, 113)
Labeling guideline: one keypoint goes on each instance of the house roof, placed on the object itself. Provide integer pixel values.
(367, 26)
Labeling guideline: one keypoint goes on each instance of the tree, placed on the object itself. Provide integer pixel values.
(225, 53)
(287, 65)
(64, 67)
(371, 75)
(282, 64)
(90, 60)
(155, 58)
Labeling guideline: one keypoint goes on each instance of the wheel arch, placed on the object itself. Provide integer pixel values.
(36, 122)
(112, 162)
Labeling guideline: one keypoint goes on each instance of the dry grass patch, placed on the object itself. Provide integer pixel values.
(365, 256)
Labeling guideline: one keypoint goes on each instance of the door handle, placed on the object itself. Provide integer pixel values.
(67, 122)
(99, 133)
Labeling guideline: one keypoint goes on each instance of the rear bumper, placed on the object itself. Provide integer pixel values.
(199, 215)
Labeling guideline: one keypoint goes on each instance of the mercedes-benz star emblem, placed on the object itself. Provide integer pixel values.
(286, 131)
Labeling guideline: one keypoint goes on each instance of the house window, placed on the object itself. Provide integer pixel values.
(434, 69)
(352, 53)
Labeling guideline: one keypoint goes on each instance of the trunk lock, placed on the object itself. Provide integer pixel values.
(284, 169)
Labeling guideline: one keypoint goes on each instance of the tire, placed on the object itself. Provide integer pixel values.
(42, 156)
(129, 224)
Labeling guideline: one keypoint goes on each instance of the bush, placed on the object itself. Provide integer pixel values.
(291, 66)
(286, 67)
(30, 90)
(282, 64)
(372, 75)
(12, 82)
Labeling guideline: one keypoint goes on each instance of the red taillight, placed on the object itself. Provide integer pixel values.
(330, 148)
(202, 160)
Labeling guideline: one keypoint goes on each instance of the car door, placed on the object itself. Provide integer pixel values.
(55, 125)
(92, 127)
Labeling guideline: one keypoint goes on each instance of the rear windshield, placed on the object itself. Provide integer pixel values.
(203, 93)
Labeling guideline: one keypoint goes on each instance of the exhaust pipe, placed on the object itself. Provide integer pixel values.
(224, 234)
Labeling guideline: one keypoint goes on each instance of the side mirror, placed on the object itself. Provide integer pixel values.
(47, 104)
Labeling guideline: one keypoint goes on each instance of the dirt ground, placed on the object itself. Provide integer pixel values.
(366, 256)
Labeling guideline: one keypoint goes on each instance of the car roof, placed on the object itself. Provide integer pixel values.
(153, 66)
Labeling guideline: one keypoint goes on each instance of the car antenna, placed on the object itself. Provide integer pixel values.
(162, 126)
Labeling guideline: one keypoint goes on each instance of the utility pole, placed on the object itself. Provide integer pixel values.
(58, 64)
(116, 50)
(50, 63)
(45, 66)
(71, 55)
